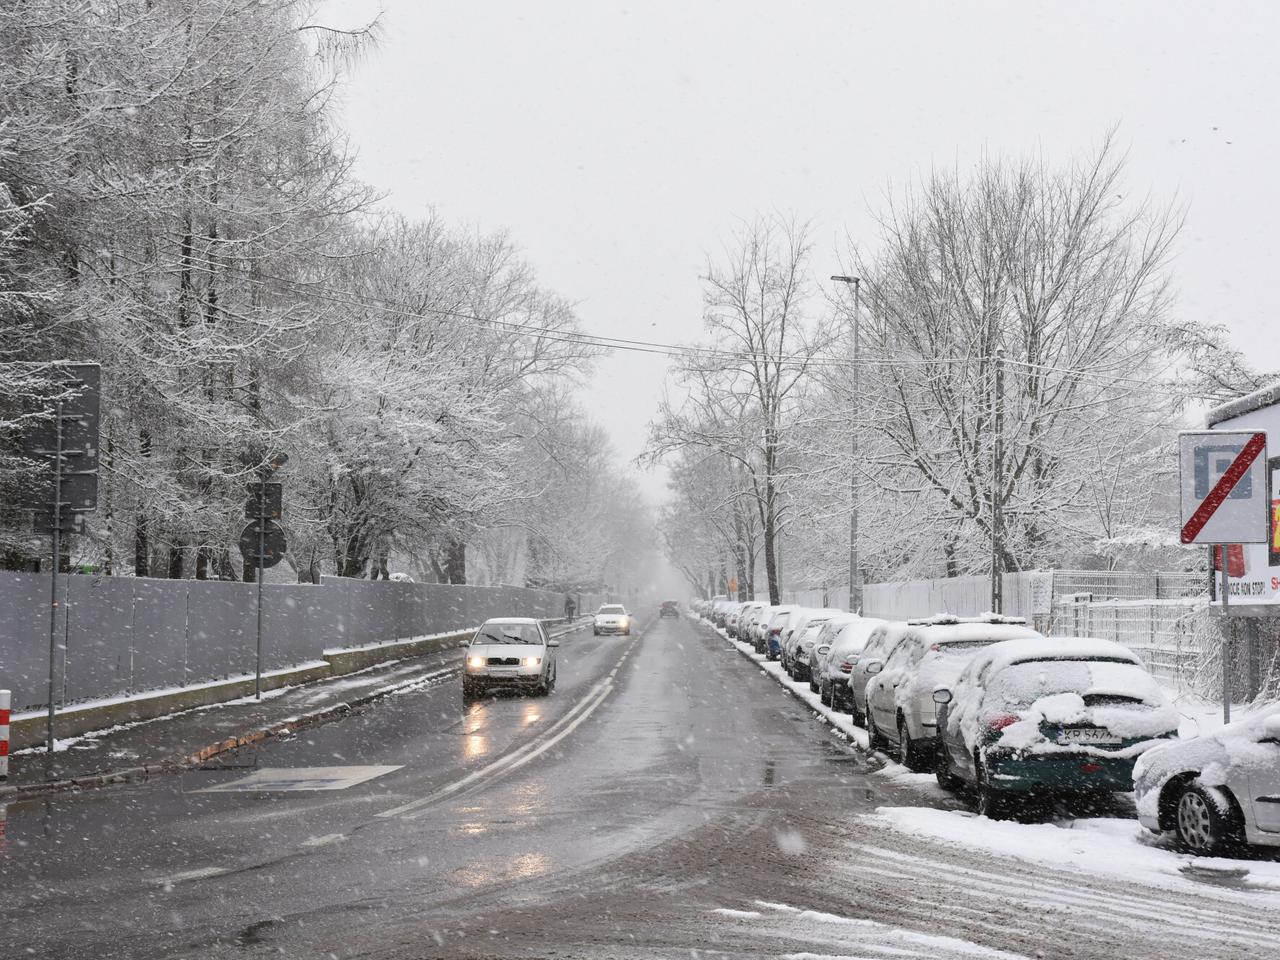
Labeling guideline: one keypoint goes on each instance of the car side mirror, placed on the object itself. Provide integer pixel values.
(1271, 728)
(462, 645)
(941, 696)
(553, 643)
(874, 667)
(824, 649)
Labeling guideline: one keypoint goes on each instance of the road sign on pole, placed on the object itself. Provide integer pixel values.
(1224, 486)
(262, 542)
(1224, 502)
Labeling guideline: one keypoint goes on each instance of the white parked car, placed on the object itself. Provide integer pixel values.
(1217, 790)
(880, 644)
(771, 631)
(798, 639)
(932, 654)
(740, 621)
(844, 638)
(513, 653)
(1062, 715)
(612, 618)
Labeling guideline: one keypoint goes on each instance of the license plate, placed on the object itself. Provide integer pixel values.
(1089, 735)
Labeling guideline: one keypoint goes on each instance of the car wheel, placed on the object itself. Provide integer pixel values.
(595, 632)
(824, 695)
(912, 757)
(1206, 821)
(859, 718)
(992, 803)
(813, 687)
(942, 770)
(875, 739)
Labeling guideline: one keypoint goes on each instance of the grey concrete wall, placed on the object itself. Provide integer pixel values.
(118, 635)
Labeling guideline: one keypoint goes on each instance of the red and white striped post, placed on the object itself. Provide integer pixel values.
(4, 734)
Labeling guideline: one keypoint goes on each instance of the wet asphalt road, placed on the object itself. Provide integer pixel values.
(667, 800)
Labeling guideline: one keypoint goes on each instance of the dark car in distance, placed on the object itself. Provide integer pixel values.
(669, 608)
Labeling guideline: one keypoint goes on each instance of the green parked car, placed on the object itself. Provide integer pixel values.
(1048, 716)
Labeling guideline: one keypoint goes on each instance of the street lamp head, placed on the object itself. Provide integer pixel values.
(844, 279)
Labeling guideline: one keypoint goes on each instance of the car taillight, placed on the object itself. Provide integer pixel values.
(998, 721)
(775, 631)
(846, 667)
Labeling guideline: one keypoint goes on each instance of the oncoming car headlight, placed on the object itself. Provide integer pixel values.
(475, 663)
(531, 661)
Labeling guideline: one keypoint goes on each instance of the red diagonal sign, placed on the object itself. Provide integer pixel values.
(1222, 489)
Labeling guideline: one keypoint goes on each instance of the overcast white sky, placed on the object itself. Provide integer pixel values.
(619, 143)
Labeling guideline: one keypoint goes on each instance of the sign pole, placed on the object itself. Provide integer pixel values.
(262, 550)
(57, 556)
(1226, 638)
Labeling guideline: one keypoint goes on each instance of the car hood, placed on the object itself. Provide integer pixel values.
(505, 650)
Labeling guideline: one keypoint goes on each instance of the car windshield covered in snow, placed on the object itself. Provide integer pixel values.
(1098, 681)
(613, 610)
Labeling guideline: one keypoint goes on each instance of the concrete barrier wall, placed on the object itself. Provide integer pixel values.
(120, 635)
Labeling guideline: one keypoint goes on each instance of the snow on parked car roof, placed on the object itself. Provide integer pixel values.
(961, 632)
(1008, 652)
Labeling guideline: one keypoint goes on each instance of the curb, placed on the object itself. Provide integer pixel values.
(16, 793)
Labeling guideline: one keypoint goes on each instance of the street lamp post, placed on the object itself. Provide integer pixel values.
(855, 582)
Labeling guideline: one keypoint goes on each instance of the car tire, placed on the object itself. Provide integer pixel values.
(942, 770)
(595, 632)
(1205, 820)
(992, 803)
(912, 756)
(859, 718)
(472, 691)
(875, 739)
(824, 695)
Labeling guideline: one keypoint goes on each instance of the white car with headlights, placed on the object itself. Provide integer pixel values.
(513, 653)
(612, 618)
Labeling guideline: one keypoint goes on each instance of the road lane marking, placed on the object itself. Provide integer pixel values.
(502, 762)
(511, 762)
(186, 876)
(278, 779)
(324, 841)
(518, 758)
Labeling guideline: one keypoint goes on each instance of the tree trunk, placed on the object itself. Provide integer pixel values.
(455, 562)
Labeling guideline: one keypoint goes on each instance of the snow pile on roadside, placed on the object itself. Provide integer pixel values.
(1121, 848)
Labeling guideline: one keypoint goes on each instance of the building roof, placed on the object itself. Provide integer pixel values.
(1258, 400)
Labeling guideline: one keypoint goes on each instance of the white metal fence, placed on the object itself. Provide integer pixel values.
(1165, 618)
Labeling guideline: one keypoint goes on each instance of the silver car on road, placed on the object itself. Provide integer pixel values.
(512, 653)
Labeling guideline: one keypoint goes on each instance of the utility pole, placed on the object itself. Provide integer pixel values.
(997, 467)
(855, 581)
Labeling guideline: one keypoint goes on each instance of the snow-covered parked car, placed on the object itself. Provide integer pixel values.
(1217, 790)
(932, 654)
(513, 653)
(742, 622)
(882, 642)
(828, 630)
(1055, 715)
(845, 640)
(749, 622)
(796, 629)
(770, 631)
(611, 618)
